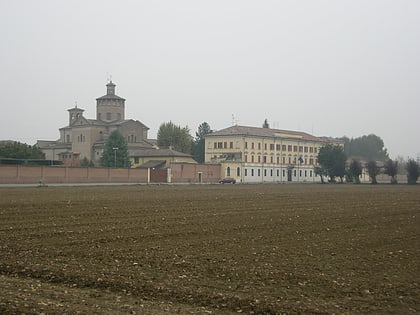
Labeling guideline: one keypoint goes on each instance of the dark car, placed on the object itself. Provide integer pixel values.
(227, 180)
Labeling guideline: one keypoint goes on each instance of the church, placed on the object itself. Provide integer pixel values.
(85, 138)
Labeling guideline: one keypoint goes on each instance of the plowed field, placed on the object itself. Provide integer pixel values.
(228, 249)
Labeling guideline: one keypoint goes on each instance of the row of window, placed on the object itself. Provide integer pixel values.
(271, 147)
(223, 145)
(81, 138)
(109, 116)
(68, 156)
(284, 147)
(270, 172)
(301, 173)
(132, 139)
(288, 160)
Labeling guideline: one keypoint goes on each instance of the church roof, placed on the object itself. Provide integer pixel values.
(110, 97)
(96, 122)
(134, 121)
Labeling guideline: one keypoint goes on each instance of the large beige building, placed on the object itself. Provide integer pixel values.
(85, 138)
(251, 154)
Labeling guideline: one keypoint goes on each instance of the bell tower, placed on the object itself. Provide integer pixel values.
(74, 114)
(110, 107)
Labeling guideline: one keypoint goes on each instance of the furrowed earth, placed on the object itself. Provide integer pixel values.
(210, 249)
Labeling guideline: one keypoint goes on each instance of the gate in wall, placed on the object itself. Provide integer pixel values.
(158, 175)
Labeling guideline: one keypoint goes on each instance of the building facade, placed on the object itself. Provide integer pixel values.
(86, 138)
(263, 155)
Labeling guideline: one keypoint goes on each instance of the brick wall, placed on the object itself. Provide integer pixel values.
(18, 174)
(180, 173)
(190, 173)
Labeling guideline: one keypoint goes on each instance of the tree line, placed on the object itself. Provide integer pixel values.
(17, 150)
(333, 163)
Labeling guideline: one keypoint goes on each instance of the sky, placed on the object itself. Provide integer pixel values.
(328, 68)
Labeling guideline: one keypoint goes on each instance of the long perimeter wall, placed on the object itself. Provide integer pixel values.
(18, 174)
(179, 173)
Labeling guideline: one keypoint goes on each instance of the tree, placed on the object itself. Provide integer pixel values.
(373, 170)
(391, 169)
(333, 160)
(115, 153)
(370, 147)
(413, 171)
(172, 136)
(355, 170)
(198, 149)
(17, 150)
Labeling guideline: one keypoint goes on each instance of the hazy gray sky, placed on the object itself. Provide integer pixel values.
(331, 68)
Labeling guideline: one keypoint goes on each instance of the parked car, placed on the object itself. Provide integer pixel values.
(227, 180)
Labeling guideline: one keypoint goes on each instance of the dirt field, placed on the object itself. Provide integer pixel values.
(228, 249)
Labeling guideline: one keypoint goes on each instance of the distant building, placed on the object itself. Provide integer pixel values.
(251, 154)
(85, 138)
(159, 158)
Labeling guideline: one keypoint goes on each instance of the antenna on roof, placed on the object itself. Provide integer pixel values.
(108, 77)
(234, 120)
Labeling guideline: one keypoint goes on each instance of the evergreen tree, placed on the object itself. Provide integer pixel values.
(198, 149)
(115, 153)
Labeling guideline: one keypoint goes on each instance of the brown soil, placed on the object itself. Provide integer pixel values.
(228, 249)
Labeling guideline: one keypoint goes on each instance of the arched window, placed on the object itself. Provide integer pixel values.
(238, 171)
(228, 171)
